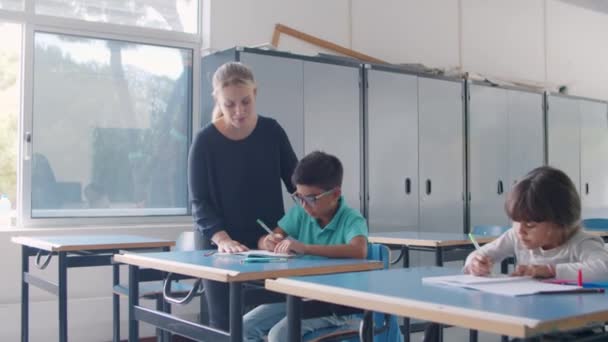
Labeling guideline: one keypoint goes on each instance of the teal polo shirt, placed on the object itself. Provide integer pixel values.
(343, 227)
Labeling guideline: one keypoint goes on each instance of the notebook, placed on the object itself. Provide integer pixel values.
(506, 285)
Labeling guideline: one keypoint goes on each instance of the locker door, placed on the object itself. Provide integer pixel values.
(563, 136)
(441, 155)
(280, 96)
(488, 155)
(594, 158)
(392, 151)
(332, 120)
(526, 133)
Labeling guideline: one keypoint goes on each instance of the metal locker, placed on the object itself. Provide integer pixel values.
(488, 155)
(332, 117)
(594, 158)
(441, 155)
(526, 133)
(563, 136)
(392, 138)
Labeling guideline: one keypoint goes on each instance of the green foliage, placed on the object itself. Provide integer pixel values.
(9, 68)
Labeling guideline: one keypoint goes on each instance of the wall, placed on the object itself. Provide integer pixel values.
(533, 41)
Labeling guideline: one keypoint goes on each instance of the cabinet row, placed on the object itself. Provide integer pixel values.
(425, 153)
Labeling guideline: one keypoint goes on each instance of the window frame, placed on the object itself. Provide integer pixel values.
(32, 23)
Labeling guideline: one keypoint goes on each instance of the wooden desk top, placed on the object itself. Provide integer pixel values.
(228, 268)
(426, 239)
(63, 243)
(401, 292)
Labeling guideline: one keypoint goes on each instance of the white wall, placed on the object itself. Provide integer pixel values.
(535, 41)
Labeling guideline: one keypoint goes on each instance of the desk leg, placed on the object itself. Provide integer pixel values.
(439, 256)
(133, 302)
(294, 319)
(366, 331)
(405, 329)
(406, 256)
(236, 312)
(25, 292)
(63, 297)
(115, 304)
(473, 334)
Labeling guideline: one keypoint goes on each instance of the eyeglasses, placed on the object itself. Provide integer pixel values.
(311, 200)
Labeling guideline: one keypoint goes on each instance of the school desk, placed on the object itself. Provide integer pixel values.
(72, 251)
(222, 268)
(401, 292)
(439, 243)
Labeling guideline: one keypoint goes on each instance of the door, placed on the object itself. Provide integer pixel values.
(563, 136)
(526, 133)
(332, 120)
(441, 155)
(392, 101)
(488, 155)
(594, 158)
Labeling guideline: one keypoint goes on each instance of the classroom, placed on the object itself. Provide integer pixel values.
(399, 170)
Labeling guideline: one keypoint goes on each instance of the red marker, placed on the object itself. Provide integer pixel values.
(580, 277)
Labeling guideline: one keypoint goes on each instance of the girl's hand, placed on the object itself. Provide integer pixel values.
(230, 246)
(536, 271)
(290, 246)
(271, 241)
(481, 265)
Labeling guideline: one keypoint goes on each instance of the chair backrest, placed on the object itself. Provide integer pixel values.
(380, 252)
(489, 230)
(189, 241)
(595, 223)
(376, 251)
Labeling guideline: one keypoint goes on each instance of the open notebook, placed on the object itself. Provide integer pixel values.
(505, 285)
(260, 253)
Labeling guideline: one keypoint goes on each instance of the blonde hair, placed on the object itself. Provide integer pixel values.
(231, 73)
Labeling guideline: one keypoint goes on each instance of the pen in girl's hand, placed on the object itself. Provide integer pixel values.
(472, 238)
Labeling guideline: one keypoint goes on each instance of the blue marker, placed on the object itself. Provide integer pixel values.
(262, 260)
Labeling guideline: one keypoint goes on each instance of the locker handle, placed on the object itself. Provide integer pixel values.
(586, 188)
(500, 189)
(428, 186)
(408, 186)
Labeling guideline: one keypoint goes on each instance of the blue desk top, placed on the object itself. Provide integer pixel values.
(90, 242)
(227, 268)
(401, 292)
(426, 239)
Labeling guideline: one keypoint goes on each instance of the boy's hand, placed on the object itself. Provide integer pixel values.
(230, 246)
(271, 241)
(290, 246)
(536, 271)
(481, 265)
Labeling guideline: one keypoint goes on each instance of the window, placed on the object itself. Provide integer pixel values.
(10, 97)
(171, 15)
(111, 127)
(12, 5)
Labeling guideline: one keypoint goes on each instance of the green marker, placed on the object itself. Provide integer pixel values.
(472, 238)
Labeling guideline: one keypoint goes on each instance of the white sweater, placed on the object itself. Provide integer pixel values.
(582, 251)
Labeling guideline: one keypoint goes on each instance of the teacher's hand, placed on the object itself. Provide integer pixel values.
(230, 246)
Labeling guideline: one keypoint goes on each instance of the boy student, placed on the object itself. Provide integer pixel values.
(321, 224)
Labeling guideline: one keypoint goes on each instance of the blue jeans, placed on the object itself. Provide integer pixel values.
(269, 319)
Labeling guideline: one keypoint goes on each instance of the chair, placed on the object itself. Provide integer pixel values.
(489, 230)
(389, 325)
(186, 241)
(596, 223)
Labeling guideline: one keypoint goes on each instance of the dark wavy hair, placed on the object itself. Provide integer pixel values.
(545, 194)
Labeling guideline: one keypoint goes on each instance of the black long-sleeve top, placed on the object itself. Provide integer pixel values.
(234, 182)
